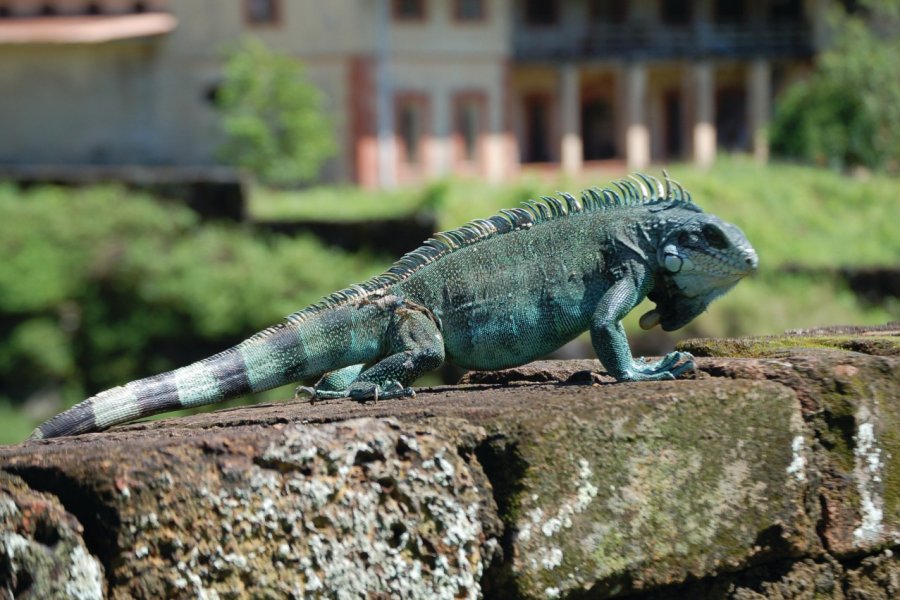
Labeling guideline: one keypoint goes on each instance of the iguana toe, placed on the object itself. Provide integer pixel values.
(363, 391)
(304, 390)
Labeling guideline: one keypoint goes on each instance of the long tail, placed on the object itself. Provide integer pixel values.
(282, 354)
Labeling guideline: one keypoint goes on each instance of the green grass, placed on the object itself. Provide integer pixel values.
(331, 204)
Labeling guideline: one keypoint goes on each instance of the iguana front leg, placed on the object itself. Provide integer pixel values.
(611, 344)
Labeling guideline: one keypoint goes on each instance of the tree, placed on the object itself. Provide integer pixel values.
(848, 112)
(272, 116)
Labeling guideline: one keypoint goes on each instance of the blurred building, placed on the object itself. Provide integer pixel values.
(418, 88)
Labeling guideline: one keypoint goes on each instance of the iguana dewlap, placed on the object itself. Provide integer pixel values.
(495, 293)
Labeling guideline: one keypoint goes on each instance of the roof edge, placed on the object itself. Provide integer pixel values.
(92, 29)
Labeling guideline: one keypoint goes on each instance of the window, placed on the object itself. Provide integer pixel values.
(211, 93)
(598, 130)
(676, 12)
(469, 10)
(541, 12)
(262, 12)
(410, 117)
(468, 130)
(469, 124)
(608, 11)
(537, 124)
(730, 11)
(673, 140)
(409, 10)
(731, 119)
(786, 10)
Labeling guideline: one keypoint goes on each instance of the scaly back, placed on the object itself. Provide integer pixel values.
(636, 190)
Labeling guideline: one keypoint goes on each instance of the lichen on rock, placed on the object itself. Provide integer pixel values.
(699, 480)
(359, 507)
(42, 554)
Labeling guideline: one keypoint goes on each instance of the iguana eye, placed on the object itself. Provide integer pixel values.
(714, 237)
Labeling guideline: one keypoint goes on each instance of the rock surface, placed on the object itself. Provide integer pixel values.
(771, 472)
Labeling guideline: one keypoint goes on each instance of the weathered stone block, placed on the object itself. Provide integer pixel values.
(629, 494)
(768, 476)
(42, 554)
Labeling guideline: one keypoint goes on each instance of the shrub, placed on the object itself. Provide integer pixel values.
(848, 113)
(272, 117)
(827, 124)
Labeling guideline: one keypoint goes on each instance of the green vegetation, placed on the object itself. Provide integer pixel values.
(272, 117)
(343, 203)
(848, 112)
(100, 286)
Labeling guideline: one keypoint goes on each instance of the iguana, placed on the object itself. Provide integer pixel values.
(495, 293)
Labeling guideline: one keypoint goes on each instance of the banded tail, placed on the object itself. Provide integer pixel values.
(279, 355)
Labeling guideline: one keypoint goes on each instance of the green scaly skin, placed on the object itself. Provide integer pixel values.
(496, 293)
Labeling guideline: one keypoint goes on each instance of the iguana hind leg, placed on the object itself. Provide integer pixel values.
(415, 347)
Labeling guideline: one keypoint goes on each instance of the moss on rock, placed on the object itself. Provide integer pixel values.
(877, 341)
(622, 496)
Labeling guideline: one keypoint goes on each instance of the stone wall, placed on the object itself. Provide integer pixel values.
(770, 473)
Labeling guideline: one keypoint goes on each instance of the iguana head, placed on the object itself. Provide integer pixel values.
(699, 259)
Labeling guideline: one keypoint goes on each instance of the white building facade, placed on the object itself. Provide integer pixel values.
(416, 89)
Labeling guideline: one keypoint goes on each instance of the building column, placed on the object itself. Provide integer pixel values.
(759, 85)
(384, 98)
(704, 134)
(637, 134)
(441, 126)
(572, 153)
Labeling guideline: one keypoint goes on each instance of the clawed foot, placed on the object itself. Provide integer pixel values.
(312, 394)
(361, 391)
(667, 368)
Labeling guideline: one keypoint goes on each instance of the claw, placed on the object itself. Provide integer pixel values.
(683, 368)
(304, 390)
(668, 361)
(364, 391)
